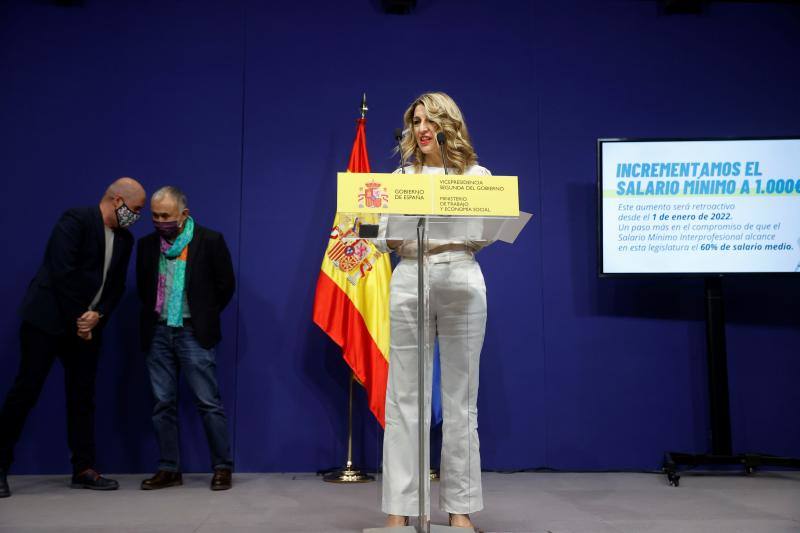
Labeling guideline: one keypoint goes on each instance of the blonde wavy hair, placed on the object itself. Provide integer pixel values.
(445, 114)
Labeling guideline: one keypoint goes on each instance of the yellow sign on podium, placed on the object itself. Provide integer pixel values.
(428, 194)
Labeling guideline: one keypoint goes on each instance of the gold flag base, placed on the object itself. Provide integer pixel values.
(348, 474)
(434, 474)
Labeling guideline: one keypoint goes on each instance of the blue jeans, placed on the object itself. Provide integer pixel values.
(172, 350)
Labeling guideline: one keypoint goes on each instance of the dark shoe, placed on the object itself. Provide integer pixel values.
(5, 491)
(162, 480)
(92, 479)
(222, 480)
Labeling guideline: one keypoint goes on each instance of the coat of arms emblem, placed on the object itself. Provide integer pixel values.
(372, 196)
(353, 256)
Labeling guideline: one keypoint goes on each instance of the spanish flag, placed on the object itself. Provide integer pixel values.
(351, 303)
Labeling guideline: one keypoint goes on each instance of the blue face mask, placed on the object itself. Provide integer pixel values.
(125, 217)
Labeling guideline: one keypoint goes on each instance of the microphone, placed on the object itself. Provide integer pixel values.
(440, 140)
(398, 136)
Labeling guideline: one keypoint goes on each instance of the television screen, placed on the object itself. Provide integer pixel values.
(698, 206)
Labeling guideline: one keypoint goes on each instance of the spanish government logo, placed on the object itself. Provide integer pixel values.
(372, 196)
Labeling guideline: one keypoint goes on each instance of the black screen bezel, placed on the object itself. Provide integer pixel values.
(603, 274)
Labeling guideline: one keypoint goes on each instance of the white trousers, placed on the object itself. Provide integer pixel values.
(458, 315)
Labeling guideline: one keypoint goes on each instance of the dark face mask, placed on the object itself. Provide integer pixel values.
(125, 217)
(169, 229)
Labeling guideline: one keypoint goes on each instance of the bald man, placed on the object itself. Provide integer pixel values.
(69, 300)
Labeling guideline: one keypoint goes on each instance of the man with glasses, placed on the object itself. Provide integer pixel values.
(65, 308)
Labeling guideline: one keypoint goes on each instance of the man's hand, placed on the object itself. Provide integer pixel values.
(87, 321)
(85, 335)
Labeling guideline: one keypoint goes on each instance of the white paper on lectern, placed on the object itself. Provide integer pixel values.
(513, 227)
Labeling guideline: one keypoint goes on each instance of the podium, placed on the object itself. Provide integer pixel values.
(435, 223)
(444, 286)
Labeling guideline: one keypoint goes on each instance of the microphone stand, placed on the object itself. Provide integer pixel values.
(440, 140)
(398, 137)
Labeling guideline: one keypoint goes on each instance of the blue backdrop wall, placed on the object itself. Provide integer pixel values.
(250, 108)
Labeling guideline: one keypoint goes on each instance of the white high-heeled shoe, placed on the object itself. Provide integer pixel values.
(475, 529)
(405, 520)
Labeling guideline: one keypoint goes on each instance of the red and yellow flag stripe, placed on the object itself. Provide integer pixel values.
(351, 303)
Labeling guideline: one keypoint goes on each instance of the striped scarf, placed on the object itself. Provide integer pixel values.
(178, 250)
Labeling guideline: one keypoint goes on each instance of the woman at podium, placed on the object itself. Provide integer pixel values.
(457, 316)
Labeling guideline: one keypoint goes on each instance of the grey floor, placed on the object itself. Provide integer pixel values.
(526, 502)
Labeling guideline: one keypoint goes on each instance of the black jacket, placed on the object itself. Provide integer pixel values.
(210, 284)
(72, 273)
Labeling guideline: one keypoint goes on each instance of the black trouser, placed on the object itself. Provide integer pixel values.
(79, 359)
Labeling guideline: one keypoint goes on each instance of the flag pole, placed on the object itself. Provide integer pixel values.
(350, 474)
